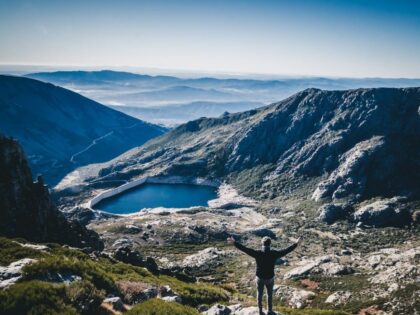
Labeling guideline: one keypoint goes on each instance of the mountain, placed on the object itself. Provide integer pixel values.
(338, 168)
(331, 145)
(61, 130)
(114, 88)
(26, 209)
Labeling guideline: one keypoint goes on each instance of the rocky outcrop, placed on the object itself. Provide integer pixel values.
(386, 212)
(328, 265)
(26, 209)
(9, 275)
(351, 175)
(329, 213)
(293, 297)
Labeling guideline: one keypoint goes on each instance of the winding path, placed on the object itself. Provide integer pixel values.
(95, 141)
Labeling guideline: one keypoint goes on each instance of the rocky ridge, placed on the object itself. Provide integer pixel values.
(26, 209)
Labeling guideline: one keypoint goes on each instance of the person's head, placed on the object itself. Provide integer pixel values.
(266, 241)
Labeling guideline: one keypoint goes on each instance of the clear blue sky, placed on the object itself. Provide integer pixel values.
(329, 38)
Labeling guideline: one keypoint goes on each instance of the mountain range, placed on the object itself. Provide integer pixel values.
(61, 130)
(125, 91)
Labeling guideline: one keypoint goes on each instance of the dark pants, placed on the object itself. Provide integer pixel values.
(269, 284)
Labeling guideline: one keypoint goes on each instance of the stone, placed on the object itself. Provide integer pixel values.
(122, 242)
(293, 297)
(173, 298)
(132, 229)
(10, 274)
(203, 258)
(218, 309)
(134, 292)
(339, 298)
(329, 213)
(116, 303)
(325, 265)
(381, 213)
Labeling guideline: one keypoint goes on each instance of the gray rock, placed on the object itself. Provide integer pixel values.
(386, 212)
(293, 297)
(116, 303)
(218, 309)
(9, 275)
(351, 175)
(329, 213)
(339, 298)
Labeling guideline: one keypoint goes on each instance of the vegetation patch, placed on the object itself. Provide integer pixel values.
(160, 307)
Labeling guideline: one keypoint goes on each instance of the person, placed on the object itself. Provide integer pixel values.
(265, 259)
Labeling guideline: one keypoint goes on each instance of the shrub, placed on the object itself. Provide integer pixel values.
(84, 297)
(11, 251)
(88, 270)
(159, 307)
(34, 298)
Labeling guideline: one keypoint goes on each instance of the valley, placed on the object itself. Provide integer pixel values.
(322, 165)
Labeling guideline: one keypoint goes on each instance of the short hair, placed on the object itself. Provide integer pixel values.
(266, 241)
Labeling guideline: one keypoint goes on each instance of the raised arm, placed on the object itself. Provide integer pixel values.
(285, 251)
(249, 251)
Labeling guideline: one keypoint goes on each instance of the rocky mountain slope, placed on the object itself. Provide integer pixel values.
(61, 130)
(339, 168)
(332, 145)
(26, 209)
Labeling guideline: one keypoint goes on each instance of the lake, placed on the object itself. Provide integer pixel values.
(151, 195)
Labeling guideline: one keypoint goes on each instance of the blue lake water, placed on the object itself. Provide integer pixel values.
(151, 195)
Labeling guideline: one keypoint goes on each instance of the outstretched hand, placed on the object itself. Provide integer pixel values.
(299, 240)
(230, 240)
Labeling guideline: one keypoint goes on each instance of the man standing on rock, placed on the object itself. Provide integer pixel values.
(266, 259)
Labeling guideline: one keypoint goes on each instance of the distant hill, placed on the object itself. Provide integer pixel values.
(61, 130)
(129, 90)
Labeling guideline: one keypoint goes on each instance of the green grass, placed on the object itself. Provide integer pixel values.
(34, 298)
(159, 307)
(103, 274)
(11, 251)
(309, 311)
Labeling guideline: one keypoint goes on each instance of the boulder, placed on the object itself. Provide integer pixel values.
(11, 274)
(126, 255)
(293, 297)
(134, 292)
(339, 298)
(116, 303)
(324, 265)
(218, 309)
(204, 257)
(381, 213)
(329, 213)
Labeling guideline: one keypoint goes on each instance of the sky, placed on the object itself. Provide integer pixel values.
(358, 38)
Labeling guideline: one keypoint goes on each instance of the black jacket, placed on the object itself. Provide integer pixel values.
(265, 260)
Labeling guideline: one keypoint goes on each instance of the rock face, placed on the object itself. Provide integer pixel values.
(26, 209)
(329, 213)
(349, 142)
(387, 212)
(325, 265)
